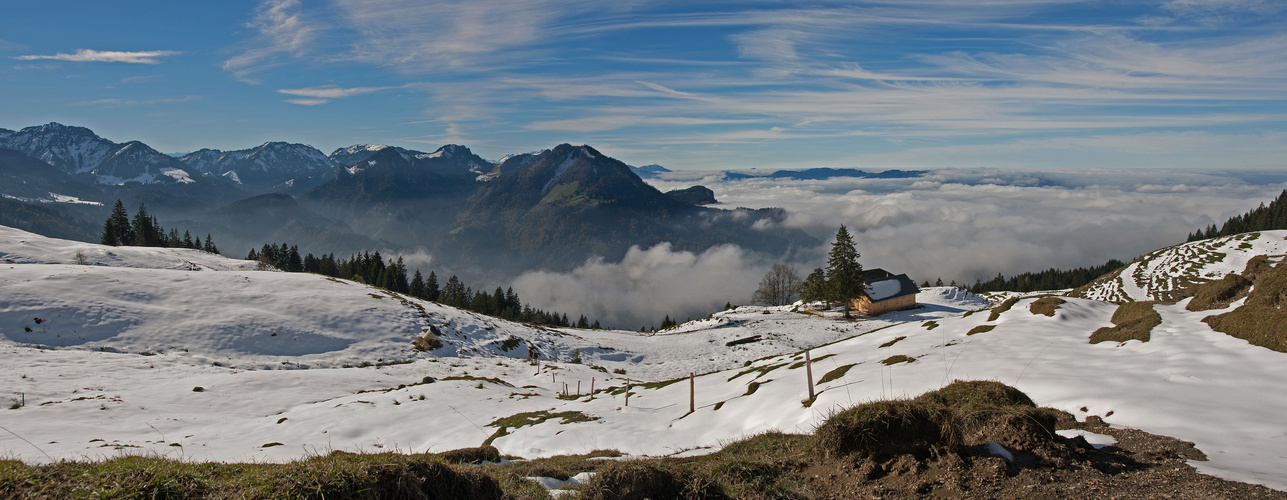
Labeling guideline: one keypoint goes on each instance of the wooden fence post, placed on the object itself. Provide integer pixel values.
(692, 392)
(627, 392)
(808, 370)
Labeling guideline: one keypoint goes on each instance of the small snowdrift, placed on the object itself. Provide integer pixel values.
(1161, 274)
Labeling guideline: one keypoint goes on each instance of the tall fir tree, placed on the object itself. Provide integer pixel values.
(844, 273)
(144, 229)
(417, 286)
(431, 287)
(117, 230)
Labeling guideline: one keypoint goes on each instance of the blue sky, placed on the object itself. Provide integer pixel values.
(689, 85)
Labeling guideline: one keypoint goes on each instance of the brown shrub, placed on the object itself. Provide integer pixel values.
(980, 329)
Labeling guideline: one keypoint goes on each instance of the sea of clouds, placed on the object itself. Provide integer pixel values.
(960, 225)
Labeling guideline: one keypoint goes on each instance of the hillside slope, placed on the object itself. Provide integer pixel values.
(200, 376)
(1163, 274)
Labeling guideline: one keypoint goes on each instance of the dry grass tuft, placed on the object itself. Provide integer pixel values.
(980, 329)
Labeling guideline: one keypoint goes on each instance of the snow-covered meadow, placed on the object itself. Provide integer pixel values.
(295, 364)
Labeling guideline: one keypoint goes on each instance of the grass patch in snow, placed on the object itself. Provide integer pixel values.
(836, 373)
(1046, 305)
(1003, 307)
(892, 342)
(1218, 294)
(800, 364)
(980, 329)
(480, 379)
(752, 387)
(930, 325)
(1261, 319)
(764, 370)
(517, 420)
(896, 359)
(1132, 321)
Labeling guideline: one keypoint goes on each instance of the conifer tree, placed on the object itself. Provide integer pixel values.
(844, 273)
(417, 286)
(814, 287)
(431, 287)
(117, 230)
(144, 230)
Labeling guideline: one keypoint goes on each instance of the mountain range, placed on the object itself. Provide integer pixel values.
(552, 208)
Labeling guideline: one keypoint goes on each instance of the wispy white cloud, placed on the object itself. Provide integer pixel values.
(593, 123)
(794, 76)
(6, 46)
(320, 95)
(89, 55)
(119, 102)
(282, 30)
(308, 102)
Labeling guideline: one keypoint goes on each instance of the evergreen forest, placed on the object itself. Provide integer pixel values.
(372, 269)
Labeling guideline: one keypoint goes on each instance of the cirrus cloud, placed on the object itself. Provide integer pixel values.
(90, 55)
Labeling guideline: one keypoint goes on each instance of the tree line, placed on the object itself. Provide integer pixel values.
(144, 231)
(372, 269)
(1262, 218)
(1050, 279)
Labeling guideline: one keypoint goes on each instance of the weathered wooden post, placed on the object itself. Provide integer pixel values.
(578, 388)
(692, 392)
(627, 392)
(591, 386)
(808, 370)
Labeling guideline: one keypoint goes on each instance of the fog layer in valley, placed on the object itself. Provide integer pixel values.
(960, 225)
